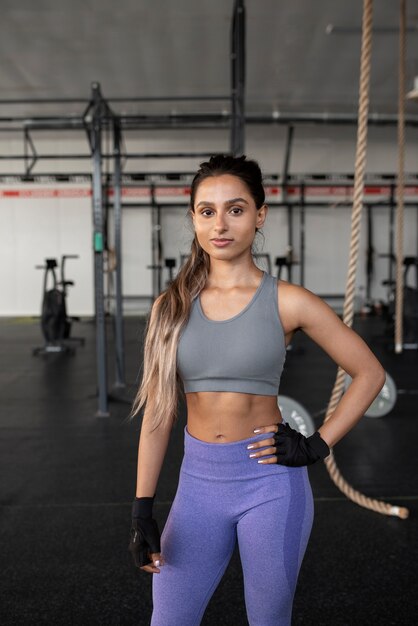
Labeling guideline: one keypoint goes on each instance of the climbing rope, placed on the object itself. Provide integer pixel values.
(348, 313)
(400, 185)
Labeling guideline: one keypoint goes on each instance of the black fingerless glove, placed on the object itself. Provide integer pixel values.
(295, 450)
(144, 535)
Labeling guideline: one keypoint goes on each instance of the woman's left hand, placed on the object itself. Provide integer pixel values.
(289, 447)
(254, 453)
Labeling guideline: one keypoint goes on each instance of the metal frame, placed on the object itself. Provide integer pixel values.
(149, 180)
(95, 137)
(98, 117)
(285, 176)
(117, 206)
(176, 121)
(302, 234)
(300, 203)
(156, 244)
(238, 79)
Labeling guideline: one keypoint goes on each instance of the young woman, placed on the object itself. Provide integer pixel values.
(220, 330)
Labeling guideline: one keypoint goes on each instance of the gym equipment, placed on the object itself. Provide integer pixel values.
(296, 415)
(170, 264)
(287, 262)
(55, 322)
(410, 304)
(384, 402)
(356, 496)
(400, 191)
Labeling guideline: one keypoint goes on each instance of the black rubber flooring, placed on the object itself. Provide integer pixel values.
(68, 479)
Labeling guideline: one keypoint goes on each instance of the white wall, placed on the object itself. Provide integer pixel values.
(32, 228)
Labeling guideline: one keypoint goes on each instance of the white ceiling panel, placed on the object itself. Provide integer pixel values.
(56, 48)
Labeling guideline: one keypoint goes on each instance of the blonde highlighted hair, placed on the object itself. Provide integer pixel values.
(161, 385)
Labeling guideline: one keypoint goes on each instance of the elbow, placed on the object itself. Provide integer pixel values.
(379, 377)
(374, 377)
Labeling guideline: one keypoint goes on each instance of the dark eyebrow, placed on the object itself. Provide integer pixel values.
(233, 201)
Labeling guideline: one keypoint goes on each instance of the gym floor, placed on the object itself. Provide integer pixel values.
(68, 480)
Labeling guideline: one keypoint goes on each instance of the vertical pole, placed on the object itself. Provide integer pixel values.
(160, 250)
(391, 237)
(25, 147)
(400, 183)
(302, 234)
(96, 145)
(156, 245)
(238, 79)
(370, 253)
(117, 208)
(285, 176)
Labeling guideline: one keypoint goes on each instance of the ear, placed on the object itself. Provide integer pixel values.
(261, 215)
(192, 213)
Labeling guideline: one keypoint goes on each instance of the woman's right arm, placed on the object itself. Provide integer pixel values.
(145, 535)
(145, 543)
(151, 452)
(152, 445)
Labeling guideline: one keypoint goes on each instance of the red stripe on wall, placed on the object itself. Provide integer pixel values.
(163, 192)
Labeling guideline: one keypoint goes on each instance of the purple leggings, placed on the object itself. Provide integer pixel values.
(224, 496)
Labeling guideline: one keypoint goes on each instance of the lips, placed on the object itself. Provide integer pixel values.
(221, 243)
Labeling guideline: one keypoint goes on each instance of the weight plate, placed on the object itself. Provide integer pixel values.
(296, 415)
(384, 402)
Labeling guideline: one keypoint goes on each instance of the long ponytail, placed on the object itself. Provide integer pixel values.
(160, 385)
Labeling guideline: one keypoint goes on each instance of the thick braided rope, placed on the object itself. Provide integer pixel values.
(400, 186)
(335, 474)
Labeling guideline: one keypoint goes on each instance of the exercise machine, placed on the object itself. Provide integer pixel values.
(55, 322)
(410, 304)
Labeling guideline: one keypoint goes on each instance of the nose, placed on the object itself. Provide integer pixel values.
(220, 223)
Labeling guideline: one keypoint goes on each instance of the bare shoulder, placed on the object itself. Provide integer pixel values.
(301, 309)
(298, 306)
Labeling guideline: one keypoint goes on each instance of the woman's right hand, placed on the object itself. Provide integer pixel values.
(144, 544)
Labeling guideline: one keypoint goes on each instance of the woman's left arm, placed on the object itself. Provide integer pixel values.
(312, 315)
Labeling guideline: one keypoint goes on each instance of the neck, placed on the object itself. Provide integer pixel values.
(226, 275)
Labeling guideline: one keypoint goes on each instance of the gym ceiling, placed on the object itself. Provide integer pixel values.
(302, 55)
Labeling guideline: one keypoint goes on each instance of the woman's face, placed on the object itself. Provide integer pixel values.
(225, 209)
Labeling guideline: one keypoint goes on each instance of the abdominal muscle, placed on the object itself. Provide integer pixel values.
(224, 416)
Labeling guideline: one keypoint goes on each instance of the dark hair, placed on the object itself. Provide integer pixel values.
(247, 170)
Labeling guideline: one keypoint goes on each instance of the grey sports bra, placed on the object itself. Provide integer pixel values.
(245, 353)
